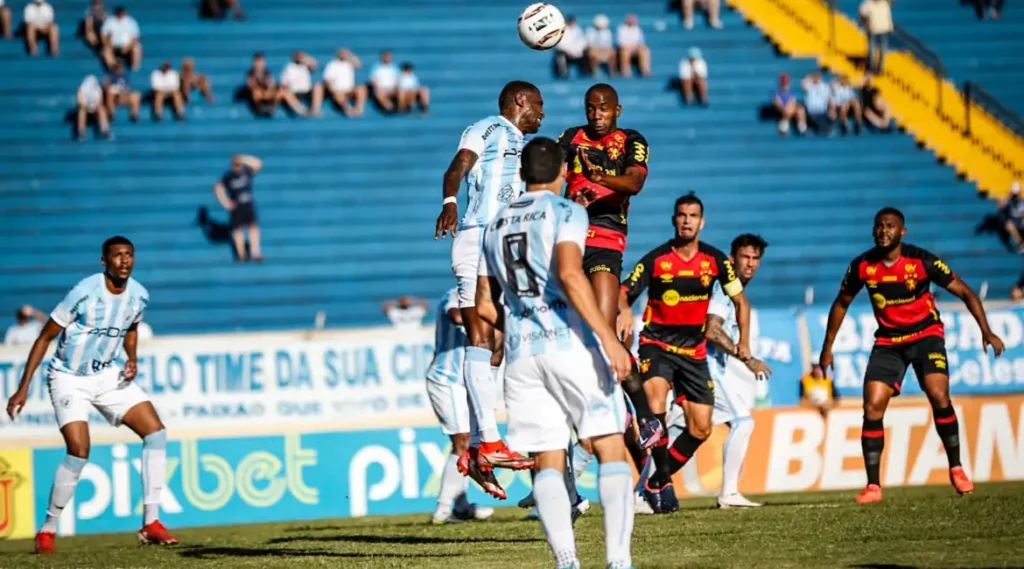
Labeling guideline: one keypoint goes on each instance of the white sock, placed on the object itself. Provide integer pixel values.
(580, 460)
(615, 485)
(154, 474)
(555, 516)
(452, 485)
(734, 453)
(64, 482)
(477, 371)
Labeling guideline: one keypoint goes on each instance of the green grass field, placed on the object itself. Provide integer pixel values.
(913, 527)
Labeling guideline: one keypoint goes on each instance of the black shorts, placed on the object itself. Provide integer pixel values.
(600, 260)
(690, 378)
(243, 215)
(889, 364)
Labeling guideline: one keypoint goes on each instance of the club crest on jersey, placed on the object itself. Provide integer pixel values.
(613, 153)
(506, 194)
(705, 280)
(911, 283)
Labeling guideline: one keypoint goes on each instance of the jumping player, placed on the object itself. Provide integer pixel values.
(487, 164)
(679, 277)
(898, 277)
(557, 376)
(447, 393)
(94, 321)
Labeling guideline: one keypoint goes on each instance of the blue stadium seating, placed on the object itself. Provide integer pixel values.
(347, 207)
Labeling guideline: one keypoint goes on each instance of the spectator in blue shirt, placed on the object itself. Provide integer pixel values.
(786, 104)
(410, 92)
(821, 110)
(846, 102)
(234, 192)
(118, 92)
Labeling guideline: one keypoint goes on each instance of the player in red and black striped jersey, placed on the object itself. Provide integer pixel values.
(679, 277)
(910, 333)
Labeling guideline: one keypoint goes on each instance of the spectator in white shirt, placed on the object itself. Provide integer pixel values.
(410, 92)
(166, 82)
(601, 46)
(821, 111)
(693, 76)
(384, 82)
(39, 22)
(711, 6)
(846, 102)
(630, 39)
(121, 38)
(192, 79)
(90, 104)
(5, 22)
(28, 324)
(340, 83)
(876, 15)
(95, 16)
(406, 313)
(297, 81)
(572, 50)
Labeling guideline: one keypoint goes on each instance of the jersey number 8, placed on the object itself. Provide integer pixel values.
(520, 277)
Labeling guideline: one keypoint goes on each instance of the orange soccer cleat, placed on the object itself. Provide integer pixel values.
(155, 533)
(498, 455)
(960, 480)
(45, 543)
(870, 495)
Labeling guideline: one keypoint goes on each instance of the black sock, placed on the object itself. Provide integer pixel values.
(634, 389)
(682, 450)
(570, 478)
(872, 442)
(948, 427)
(659, 452)
(636, 452)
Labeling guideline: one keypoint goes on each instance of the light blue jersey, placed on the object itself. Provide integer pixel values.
(721, 305)
(95, 321)
(449, 343)
(494, 180)
(519, 247)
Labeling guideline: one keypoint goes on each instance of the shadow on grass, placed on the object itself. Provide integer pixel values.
(399, 539)
(204, 553)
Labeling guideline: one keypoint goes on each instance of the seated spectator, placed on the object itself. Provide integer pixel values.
(1011, 211)
(995, 8)
(410, 92)
(818, 102)
(572, 50)
(788, 107)
(405, 313)
(693, 76)
(876, 15)
(876, 111)
(261, 87)
(215, 9)
(846, 102)
(39, 21)
(601, 46)
(711, 6)
(297, 82)
(90, 104)
(120, 37)
(234, 192)
(192, 79)
(5, 22)
(28, 323)
(166, 82)
(340, 83)
(384, 82)
(95, 16)
(118, 93)
(630, 39)
(818, 391)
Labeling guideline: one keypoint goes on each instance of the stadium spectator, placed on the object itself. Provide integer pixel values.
(406, 313)
(215, 9)
(601, 46)
(5, 22)
(710, 6)
(410, 92)
(118, 92)
(787, 106)
(192, 79)
(876, 111)
(165, 83)
(340, 83)
(818, 391)
(234, 192)
(28, 322)
(630, 40)
(90, 104)
(39, 22)
(693, 76)
(877, 18)
(1011, 212)
(818, 102)
(297, 84)
(995, 8)
(261, 87)
(120, 36)
(95, 16)
(572, 50)
(384, 82)
(847, 103)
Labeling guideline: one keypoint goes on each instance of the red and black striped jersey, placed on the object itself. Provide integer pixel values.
(613, 153)
(900, 292)
(678, 294)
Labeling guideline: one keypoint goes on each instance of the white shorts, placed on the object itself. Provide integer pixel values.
(74, 396)
(451, 406)
(547, 395)
(735, 395)
(467, 249)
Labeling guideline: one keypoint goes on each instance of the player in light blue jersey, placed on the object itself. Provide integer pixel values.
(95, 322)
(563, 358)
(487, 165)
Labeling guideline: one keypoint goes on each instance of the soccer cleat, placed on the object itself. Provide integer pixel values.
(580, 508)
(498, 455)
(45, 543)
(662, 500)
(870, 495)
(641, 506)
(486, 480)
(156, 534)
(533, 514)
(650, 433)
(960, 480)
(437, 520)
(474, 513)
(527, 502)
(465, 459)
(736, 500)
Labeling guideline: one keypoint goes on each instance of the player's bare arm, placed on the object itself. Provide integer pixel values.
(17, 401)
(630, 182)
(836, 314)
(977, 310)
(131, 345)
(254, 163)
(624, 322)
(462, 163)
(716, 334)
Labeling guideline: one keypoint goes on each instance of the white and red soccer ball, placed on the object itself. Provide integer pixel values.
(541, 26)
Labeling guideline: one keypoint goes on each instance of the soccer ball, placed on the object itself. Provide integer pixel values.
(541, 26)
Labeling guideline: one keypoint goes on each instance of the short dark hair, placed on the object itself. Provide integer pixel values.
(114, 241)
(120, 10)
(749, 240)
(603, 89)
(689, 199)
(406, 66)
(542, 161)
(513, 88)
(889, 210)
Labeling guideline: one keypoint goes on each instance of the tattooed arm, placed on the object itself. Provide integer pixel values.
(716, 334)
